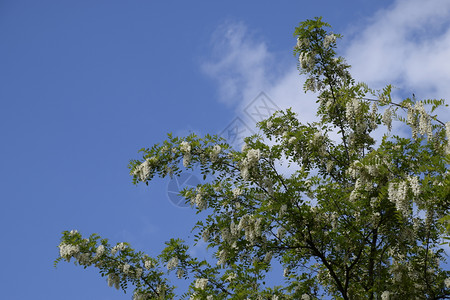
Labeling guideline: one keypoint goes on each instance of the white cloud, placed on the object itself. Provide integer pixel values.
(243, 68)
(406, 44)
(239, 63)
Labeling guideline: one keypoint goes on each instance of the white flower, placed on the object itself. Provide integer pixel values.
(245, 174)
(253, 156)
(301, 42)
(205, 234)
(330, 166)
(280, 233)
(307, 60)
(222, 257)
(352, 109)
(447, 283)
(185, 147)
(283, 209)
(139, 272)
(385, 295)
(173, 263)
(180, 273)
(144, 170)
(187, 159)
(118, 247)
(305, 297)
(148, 264)
(113, 280)
(268, 257)
(67, 251)
(328, 40)
(126, 268)
(414, 185)
(237, 192)
(199, 200)
(387, 118)
(100, 250)
(231, 277)
(201, 283)
(215, 153)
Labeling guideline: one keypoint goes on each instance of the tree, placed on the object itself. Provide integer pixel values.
(354, 220)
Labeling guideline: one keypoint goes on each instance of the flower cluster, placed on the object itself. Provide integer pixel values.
(185, 148)
(144, 170)
(307, 61)
(352, 110)
(215, 153)
(329, 39)
(250, 161)
(201, 283)
(387, 118)
(397, 194)
(173, 263)
(251, 226)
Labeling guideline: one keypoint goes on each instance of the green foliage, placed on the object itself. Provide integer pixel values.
(353, 220)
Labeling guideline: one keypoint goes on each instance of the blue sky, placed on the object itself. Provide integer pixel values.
(85, 84)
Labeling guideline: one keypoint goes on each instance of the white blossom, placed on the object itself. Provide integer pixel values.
(280, 233)
(414, 185)
(187, 159)
(200, 200)
(205, 234)
(387, 118)
(67, 251)
(305, 297)
(201, 283)
(268, 257)
(100, 250)
(126, 268)
(139, 272)
(307, 61)
(113, 280)
(352, 109)
(237, 192)
(185, 147)
(302, 42)
(222, 257)
(180, 273)
(328, 40)
(397, 195)
(118, 247)
(283, 209)
(173, 263)
(385, 295)
(148, 264)
(447, 283)
(231, 277)
(215, 153)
